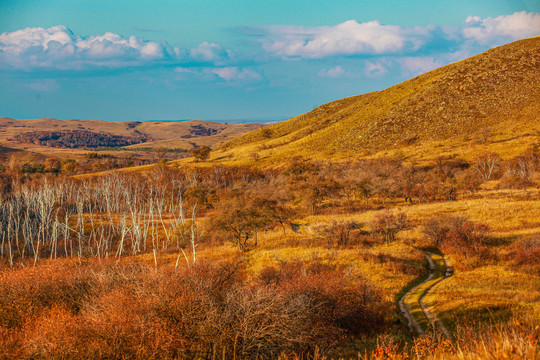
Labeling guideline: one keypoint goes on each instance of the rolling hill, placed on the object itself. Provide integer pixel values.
(488, 102)
(62, 137)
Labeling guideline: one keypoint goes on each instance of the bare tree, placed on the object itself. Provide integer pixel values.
(487, 164)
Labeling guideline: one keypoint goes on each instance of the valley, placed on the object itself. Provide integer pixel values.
(305, 239)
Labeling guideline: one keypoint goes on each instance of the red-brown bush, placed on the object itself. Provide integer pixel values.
(136, 311)
(527, 251)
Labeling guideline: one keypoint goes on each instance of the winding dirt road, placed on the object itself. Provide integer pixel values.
(420, 317)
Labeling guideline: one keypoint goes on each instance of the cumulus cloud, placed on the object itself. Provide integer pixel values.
(518, 25)
(373, 38)
(209, 52)
(375, 69)
(59, 48)
(348, 38)
(234, 73)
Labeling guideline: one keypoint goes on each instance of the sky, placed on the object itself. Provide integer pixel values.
(235, 60)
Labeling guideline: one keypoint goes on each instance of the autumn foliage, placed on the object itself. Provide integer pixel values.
(134, 311)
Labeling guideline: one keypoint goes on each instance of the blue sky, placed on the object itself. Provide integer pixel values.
(223, 60)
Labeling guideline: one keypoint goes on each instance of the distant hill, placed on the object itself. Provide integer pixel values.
(54, 136)
(487, 102)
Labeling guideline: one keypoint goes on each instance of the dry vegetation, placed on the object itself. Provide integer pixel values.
(217, 261)
(223, 257)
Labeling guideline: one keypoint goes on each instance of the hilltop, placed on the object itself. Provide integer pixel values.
(488, 102)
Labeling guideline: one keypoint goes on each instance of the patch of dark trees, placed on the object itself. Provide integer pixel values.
(200, 130)
(73, 139)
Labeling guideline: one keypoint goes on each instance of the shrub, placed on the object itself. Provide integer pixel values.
(527, 251)
(202, 153)
(437, 229)
(458, 236)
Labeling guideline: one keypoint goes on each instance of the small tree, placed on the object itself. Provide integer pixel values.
(240, 221)
(468, 239)
(487, 164)
(202, 153)
(338, 232)
(387, 225)
(365, 189)
(457, 235)
(437, 229)
(470, 182)
(275, 210)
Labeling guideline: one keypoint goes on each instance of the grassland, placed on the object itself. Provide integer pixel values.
(455, 109)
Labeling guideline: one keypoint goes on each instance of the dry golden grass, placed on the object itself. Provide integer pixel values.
(496, 290)
(455, 109)
(490, 294)
(389, 267)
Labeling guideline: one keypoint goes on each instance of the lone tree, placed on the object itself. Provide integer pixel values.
(240, 221)
(487, 164)
(201, 153)
(338, 232)
(387, 225)
(275, 210)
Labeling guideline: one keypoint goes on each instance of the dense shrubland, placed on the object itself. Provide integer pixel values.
(135, 311)
(130, 213)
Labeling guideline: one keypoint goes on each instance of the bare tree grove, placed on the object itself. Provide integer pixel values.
(100, 217)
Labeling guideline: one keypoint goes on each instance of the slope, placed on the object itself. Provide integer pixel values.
(489, 102)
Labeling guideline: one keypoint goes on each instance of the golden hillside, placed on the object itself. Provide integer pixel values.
(490, 101)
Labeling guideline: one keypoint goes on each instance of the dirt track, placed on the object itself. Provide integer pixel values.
(419, 317)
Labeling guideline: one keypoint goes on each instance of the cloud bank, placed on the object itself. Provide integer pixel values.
(373, 38)
(59, 48)
(348, 38)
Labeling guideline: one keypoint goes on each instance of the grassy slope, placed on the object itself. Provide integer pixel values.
(449, 110)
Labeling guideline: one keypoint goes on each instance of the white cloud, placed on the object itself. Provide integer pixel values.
(208, 52)
(58, 48)
(335, 72)
(234, 73)
(419, 65)
(227, 73)
(373, 38)
(518, 25)
(375, 69)
(348, 38)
